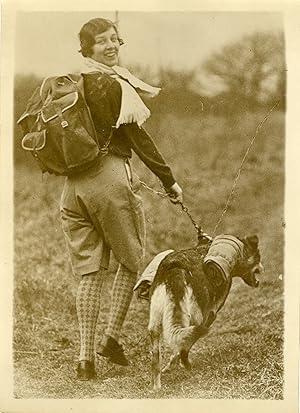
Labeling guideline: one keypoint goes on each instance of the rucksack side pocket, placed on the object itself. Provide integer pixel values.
(34, 142)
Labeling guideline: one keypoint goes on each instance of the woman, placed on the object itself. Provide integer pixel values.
(100, 209)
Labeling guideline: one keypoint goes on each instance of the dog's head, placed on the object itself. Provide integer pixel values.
(249, 266)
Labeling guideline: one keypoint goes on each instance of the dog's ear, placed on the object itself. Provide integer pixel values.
(252, 241)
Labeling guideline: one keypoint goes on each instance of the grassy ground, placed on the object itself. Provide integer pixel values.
(242, 356)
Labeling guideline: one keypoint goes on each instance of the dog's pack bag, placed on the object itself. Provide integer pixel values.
(58, 128)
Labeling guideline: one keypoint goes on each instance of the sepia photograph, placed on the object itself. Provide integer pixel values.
(149, 205)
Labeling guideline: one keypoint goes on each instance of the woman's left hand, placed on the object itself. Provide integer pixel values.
(175, 193)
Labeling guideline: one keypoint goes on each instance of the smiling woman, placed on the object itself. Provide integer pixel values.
(106, 48)
(101, 210)
(99, 39)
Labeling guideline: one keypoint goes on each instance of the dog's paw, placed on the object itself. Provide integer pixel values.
(173, 362)
(154, 387)
(186, 364)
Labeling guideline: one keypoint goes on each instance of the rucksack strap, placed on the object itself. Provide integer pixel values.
(80, 86)
(104, 148)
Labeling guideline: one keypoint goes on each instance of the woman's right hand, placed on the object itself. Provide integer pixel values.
(175, 193)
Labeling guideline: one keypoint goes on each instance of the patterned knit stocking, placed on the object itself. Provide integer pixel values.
(121, 297)
(87, 306)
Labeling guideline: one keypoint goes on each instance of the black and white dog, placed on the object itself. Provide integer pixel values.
(188, 290)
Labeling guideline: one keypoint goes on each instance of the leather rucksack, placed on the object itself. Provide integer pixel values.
(58, 129)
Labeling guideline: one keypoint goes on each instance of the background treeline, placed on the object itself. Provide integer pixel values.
(246, 75)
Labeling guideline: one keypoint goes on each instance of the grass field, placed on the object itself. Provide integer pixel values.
(242, 356)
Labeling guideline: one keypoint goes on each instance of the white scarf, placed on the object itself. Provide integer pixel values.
(133, 108)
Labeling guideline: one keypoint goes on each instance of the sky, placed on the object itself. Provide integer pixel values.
(46, 43)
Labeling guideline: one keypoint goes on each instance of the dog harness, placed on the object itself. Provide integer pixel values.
(148, 274)
(222, 256)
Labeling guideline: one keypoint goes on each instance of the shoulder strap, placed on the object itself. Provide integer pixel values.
(80, 86)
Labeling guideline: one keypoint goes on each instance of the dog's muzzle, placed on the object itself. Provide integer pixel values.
(250, 277)
(257, 271)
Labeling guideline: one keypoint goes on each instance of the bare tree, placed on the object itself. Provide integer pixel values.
(250, 70)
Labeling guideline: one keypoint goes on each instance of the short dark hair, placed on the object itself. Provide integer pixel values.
(90, 29)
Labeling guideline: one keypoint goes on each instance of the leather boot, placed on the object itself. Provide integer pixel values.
(110, 348)
(86, 370)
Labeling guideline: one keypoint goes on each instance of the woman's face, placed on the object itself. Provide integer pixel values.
(106, 48)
